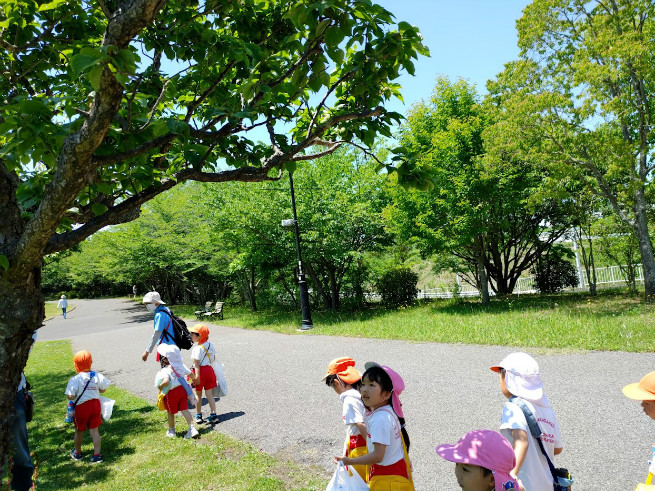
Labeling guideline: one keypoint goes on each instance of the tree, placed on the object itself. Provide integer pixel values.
(581, 99)
(490, 214)
(106, 105)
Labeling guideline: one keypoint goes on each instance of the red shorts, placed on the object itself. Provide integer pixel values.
(176, 400)
(87, 415)
(207, 378)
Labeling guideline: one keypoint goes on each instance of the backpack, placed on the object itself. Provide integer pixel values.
(182, 336)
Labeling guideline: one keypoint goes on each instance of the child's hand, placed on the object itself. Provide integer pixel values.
(342, 459)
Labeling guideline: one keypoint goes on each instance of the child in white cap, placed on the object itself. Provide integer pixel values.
(519, 376)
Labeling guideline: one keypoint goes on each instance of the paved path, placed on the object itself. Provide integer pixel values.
(278, 403)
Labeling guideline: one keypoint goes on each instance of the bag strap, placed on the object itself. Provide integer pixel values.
(87, 384)
(536, 433)
(206, 353)
(165, 331)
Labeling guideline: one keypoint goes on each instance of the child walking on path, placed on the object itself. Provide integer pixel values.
(63, 305)
(342, 376)
(643, 391)
(203, 355)
(175, 398)
(519, 376)
(483, 461)
(387, 439)
(85, 389)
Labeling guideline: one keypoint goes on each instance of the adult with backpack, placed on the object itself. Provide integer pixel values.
(168, 328)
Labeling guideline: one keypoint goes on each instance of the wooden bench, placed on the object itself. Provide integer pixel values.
(217, 312)
(200, 313)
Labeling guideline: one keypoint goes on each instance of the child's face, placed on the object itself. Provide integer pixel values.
(372, 394)
(471, 478)
(503, 384)
(195, 337)
(649, 408)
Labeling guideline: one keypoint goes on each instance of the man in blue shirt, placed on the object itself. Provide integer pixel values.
(163, 323)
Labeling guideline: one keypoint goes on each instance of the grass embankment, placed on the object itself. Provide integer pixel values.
(51, 309)
(137, 454)
(610, 321)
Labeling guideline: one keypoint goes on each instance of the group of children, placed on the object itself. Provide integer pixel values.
(84, 390)
(377, 443)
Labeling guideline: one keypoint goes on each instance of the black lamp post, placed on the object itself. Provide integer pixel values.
(302, 283)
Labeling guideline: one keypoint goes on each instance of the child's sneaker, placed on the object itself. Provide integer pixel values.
(96, 459)
(170, 433)
(199, 419)
(213, 418)
(192, 433)
(76, 455)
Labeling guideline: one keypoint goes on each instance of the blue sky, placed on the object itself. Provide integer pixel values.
(470, 39)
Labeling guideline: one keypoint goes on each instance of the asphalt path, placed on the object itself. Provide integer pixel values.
(278, 403)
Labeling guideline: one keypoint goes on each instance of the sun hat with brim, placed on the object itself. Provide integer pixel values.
(485, 448)
(153, 297)
(397, 383)
(644, 390)
(522, 376)
(344, 368)
(202, 331)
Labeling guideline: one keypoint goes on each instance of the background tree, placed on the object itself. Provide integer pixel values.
(106, 105)
(580, 100)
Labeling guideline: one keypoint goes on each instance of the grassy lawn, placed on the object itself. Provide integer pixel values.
(51, 309)
(137, 454)
(611, 321)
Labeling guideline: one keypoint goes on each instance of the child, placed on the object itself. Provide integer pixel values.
(203, 355)
(345, 380)
(519, 376)
(387, 439)
(483, 461)
(174, 356)
(63, 305)
(85, 389)
(167, 381)
(643, 391)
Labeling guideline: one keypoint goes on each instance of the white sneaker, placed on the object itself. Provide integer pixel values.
(192, 433)
(170, 433)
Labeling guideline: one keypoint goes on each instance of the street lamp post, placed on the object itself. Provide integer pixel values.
(302, 283)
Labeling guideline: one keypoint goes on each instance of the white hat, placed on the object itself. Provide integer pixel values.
(153, 297)
(63, 296)
(522, 376)
(174, 356)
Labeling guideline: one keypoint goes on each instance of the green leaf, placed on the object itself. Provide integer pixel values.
(94, 76)
(4, 262)
(98, 209)
(85, 59)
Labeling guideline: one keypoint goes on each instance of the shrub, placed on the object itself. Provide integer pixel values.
(398, 287)
(553, 272)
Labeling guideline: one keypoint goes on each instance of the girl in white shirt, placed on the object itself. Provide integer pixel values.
(387, 439)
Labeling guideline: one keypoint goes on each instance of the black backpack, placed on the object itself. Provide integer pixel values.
(182, 335)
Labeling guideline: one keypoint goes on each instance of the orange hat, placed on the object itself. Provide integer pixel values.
(642, 391)
(202, 331)
(82, 361)
(344, 368)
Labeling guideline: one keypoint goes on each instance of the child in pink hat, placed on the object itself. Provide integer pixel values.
(387, 440)
(483, 461)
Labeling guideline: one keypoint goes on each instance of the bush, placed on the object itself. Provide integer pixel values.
(554, 272)
(398, 287)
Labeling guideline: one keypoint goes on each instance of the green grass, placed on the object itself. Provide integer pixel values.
(51, 309)
(137, 454)
(611, 321)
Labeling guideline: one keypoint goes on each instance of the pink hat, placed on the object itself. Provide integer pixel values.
(396, 382)
(488, 449)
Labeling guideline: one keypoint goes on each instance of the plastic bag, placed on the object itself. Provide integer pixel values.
(160, 402)
(106, 407)
(345, 480)
(221, 384)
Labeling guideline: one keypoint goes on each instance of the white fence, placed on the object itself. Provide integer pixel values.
(526, 284)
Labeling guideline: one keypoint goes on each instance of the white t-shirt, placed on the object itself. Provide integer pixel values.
(166, 372)
(383, 427)
(353, 411)
(76, 386)
(535, 473)
(198, 353)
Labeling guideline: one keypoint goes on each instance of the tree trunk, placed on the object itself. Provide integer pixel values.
(484, 284)
(334, 290)
(22, 313)
(645, 245)
(327, 301)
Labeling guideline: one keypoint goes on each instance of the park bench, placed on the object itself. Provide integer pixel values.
(200, 313)
(217, 312)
